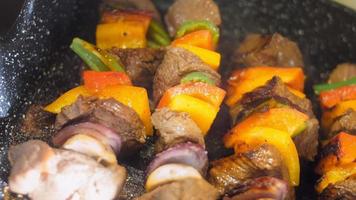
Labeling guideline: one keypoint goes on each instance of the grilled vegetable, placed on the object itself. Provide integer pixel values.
(245, 80)
(197, 77)
(157, 34)
(190, 26)
(201, 112)
(330, 98)
(257, 136)
(339, 151)
(331, 86)
(208, 93)
(340, 109)
(95, 81)
(336, 174)
(200, 38)
(66, 99)
(284, 119)
(211, 58)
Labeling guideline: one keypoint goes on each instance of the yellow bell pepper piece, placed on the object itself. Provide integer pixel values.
(66, 99)
(135, 98)
(336, 174)
(121, 34)
(211, 58)
(296, 92)
(202, 113)
(340, 109)
(279, 139)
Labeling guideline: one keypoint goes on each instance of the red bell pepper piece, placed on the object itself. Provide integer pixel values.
(95, 81)
(330, 98)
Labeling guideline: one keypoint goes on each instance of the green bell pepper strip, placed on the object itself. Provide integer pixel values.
(190, 26)
(331, 86)
(158, 34)
(197, 77)
(96, 59)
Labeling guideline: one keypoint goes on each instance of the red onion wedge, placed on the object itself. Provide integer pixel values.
(186, 153)
(260, 188)
(97, 131)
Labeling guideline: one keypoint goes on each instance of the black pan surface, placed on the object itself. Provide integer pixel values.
(36, 64)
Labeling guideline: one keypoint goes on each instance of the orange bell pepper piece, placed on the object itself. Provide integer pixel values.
(208, 93)
(340, 109)
(335, 175)
(121, 34)
(211, 58)
(95, 81)
(330, 98)
(119, 15)
(246, 80)
(66, 99)
(200, 38)
(281, 140)
(340, 150)
(201, 112)
(284, 119)
(135, 98)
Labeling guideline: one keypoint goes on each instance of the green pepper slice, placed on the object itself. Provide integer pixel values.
(190, 26)
(158, 34)
(95, 58)
(197, 77)
(331, 86)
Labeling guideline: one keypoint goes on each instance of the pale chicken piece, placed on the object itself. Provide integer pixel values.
(45, 173)
(170, 172)
(92, 147)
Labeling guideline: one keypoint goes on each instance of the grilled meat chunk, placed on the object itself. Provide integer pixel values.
(42, 172)
(268, 50)
(260, 188)
(178, 62)
(109, 113)
(140, 64)
(345, 190)
(182, 11)
(187, 189)
(306, 142)
(37, 121)
(174, 128)
(226, 173)
(342, 72)
(346, 123)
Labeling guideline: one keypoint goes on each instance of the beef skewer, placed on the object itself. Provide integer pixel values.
(336, 164)
(97, 122)
(273, 122)
(187, 99)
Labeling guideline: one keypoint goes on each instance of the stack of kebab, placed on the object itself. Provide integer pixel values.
(337, 158)
(96, 122)
(187, 99)
(273, 122)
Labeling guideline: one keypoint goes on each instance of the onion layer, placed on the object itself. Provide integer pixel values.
(186, 153)
(97, 131)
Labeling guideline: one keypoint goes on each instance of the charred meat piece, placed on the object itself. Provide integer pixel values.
(140, 64)
(268, 50)
(187, 189)
(109, 113)
(176, 63)
(226, 173)
(37, 121)
(307, 141)
(143, 5)
(187, 153)
(42, 172)
(342, 72)
(260, 188)
(182, 11)
(345, 190)
(346, 123)
(174, 128)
